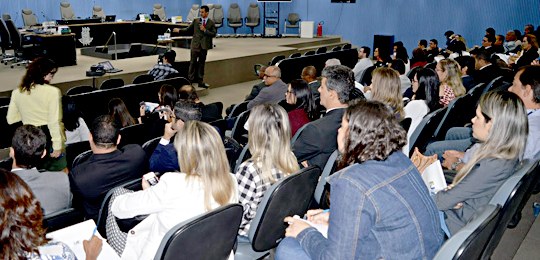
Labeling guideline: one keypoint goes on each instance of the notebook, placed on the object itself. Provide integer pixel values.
(108, 67)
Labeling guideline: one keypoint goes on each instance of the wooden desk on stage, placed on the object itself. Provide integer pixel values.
(58, 47)
(126, 32)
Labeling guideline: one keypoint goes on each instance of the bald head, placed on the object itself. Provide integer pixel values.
(309, 73)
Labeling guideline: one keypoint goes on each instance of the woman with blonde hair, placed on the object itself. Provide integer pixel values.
(272, 159)
(451, 83)
(501, 127)
(386, 88)
(203, 184)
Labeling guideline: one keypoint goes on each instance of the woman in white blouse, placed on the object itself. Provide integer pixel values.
(203, 184)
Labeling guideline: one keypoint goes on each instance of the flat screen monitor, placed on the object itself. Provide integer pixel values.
(274, 0)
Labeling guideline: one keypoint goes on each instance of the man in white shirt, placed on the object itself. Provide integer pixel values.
(363, 62)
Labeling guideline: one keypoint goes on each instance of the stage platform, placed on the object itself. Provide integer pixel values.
(230, 62)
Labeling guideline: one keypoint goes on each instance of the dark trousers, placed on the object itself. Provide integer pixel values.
(196, 65)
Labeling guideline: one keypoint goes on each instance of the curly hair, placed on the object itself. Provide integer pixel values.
(22, 218)
(373, 134)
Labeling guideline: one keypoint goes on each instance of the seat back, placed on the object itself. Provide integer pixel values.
(133, 134)
(97, 11)
(143, 78)
(234, 15)
(423, 133)
(218, 15)
(62, 219)
(233, 150)
(298, 133)
(276, 59)
(309, 53)
(6, 16)
(287, 197)
(81, 158)
(469, 242)
(79, 90)
(510, 196)
(239, 133)
(4, 101)
(293, 20)
(149, 147)
(29, 18)
(15, 35)
(220, 124)
(159, 10)
(253, 15)
(238, 109)
(194, 13)
(73, 150)
(111, 83)
(212, 112)
(337, 48)
(321, 50)
(66, 11)
(295, 55)
(5, 38)
(244, 155)
(460, 112)
(347, 46)
(209, 236)
(493, 84)
(104, 210)
(329, 168)
(406, 123)
(365, 78)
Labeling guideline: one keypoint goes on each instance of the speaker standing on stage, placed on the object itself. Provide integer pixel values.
(203, 30)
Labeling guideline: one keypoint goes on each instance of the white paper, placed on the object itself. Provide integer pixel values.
(323, 229)
(74, 235)
(433, 176)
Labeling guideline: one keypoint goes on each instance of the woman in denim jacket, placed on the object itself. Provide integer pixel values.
(380, 206)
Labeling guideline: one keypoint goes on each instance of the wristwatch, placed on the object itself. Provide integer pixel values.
(454, 165)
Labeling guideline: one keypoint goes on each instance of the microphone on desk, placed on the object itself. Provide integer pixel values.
(44, 16)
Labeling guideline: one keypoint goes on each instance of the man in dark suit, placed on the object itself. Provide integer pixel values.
(485, 70)
(107, 167)
(318, 140)
(203, 30)
(309, 75)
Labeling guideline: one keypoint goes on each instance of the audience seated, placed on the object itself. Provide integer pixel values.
(510, 43)
(433, 50)
(399, 66)
(162, 69)
(498, 45)
(209, 112)
(203, 185)
(165, 158)
(450, 78)
(301, 107)
(467, 66)
(336, 85)
(50, 188)
(528, 54)
(363, 63)
(381, 57)
(106, 168)
(271, 159)
(160, 115)
(386, 88)
(75, 127)
(501, 127)
(273, 93)
(487, 43)
(418, 58)
(400, 53)
(23, 236)
(309, 75)
(119, 112)
(257, 87)
(485, 70)
(393, 217)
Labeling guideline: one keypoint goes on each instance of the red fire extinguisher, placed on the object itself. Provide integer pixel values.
(319, 29)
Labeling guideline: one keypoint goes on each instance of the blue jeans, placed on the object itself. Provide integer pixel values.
(457, 138)
(289, 248)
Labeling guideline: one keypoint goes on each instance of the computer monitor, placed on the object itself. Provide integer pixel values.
(110, 18)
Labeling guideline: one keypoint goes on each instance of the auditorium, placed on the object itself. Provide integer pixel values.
(270, 129)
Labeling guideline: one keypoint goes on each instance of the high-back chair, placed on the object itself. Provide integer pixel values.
(239, 133)
(5, 43)
(66, 11)
(218, 15)
(292, 21)
(159, 10)
(97, 11)
(287, 197)
(29, 18)
(469, 241)
(423, 133)
(209, 236)
(253, 17)
(234, 17)
(17, 44)
(111, 83)
(79, 90)
(193, 13)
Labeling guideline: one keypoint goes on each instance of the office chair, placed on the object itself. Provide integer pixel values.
(97, 11)
(253, 17)
(159, 10)
(218, 15)
(5, 43)
(29, 18)
(17, 44)
(6, 16)
(234, 18)
(194, 13)
(292, 21)
(66, 11)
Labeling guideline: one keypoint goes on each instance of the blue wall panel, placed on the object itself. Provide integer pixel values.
(408, 20)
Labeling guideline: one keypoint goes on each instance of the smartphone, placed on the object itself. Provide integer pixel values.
(151, 178)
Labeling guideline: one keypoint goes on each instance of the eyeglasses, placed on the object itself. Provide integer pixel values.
(288, 92)
(268, 76)
(414, 81)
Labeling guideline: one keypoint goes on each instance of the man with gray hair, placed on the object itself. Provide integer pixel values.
(318, 140)
(165, 158)
(273, 92)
